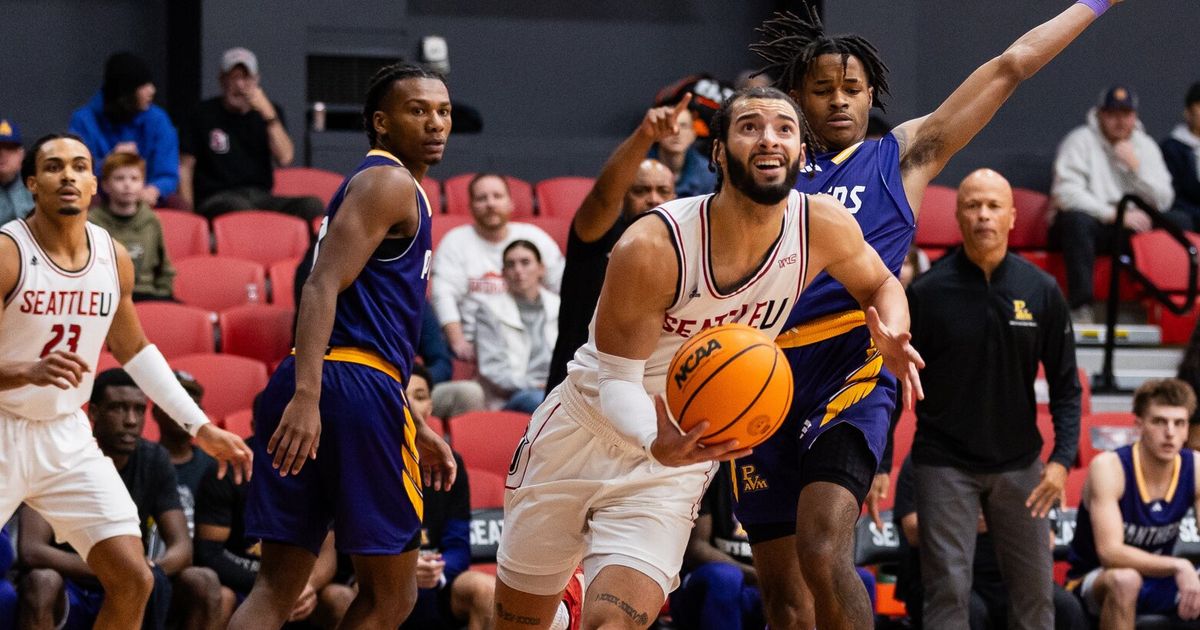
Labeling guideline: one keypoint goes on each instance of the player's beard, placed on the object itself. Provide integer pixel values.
(762, 194)
(69, 211)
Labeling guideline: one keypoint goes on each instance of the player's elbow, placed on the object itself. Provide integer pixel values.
(1015, 64)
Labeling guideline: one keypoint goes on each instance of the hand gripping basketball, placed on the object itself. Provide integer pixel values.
(673, 447)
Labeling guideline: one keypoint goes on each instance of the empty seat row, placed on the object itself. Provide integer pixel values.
(220, 282)
(553, 197)
(262, 236)
(256, 331)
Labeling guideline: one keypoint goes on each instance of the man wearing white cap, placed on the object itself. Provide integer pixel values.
(232, 144)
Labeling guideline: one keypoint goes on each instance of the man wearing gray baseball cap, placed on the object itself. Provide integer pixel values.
(232, 143)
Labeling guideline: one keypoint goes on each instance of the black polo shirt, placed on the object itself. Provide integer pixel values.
(982, 342)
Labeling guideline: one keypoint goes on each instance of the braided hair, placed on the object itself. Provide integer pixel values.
(791, 43)
(381, 86)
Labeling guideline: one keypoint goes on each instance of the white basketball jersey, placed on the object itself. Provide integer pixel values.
(55, 309)
(763, 300)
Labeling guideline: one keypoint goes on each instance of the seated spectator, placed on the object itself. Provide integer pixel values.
(1128, 521)
(231, 145)
(515, 332)
(222, 545)
(628, 186)
(988, 605)
(1098, 164)
(133, 223)
(720, 586)
(8, 594)
(690, 167)
(191, 463)
(15, 199)
(450, 595)
(467, 261)
(122, 118)
(117, 409)
(1181, 152)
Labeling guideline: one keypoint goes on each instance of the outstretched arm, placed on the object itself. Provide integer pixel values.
(839, 249)
(149, 369)
(602, 206)
(929, 142)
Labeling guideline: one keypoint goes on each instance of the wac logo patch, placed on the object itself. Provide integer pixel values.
(691, 363)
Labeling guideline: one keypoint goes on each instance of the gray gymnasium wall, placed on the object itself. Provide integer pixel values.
(932, 45)
(54, 51)
(559, 84)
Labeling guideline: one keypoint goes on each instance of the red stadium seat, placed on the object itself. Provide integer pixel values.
(446, 222)
(1032, 220)
(106, 362)
(559, 228)
(438, 426)
(937, 227)
(902, 439)
(299, 181)
(283, 283)
(1088, 449)
(261, 236)
(1076, 477)
(487, 439)
(240, 423)
(217, 283)
(433, 192)
(487, 488)
(230, 382)
(177, 329)
(256, 331)
(458, 200)
(1162, 260)
(184, 234)
(561, 196)
(150, 430)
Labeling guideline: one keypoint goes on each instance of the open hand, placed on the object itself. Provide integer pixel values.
(673, 447)
(228, 449)
(900, 357)
(298, 435)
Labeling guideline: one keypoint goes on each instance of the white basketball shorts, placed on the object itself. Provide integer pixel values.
(56, 468)
(578, 491)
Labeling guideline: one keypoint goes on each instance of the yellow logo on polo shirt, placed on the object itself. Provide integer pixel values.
(1021, 313)
(5, 128)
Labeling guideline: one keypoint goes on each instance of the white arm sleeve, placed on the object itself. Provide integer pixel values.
(624, 401)
(150, 371)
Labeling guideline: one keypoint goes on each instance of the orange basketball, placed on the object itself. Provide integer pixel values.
(736, 378)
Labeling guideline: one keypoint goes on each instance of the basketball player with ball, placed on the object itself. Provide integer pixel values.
(603, 475)
(68, 290)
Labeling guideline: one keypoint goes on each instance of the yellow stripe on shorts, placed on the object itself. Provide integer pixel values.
(412, 468)
(820, 329)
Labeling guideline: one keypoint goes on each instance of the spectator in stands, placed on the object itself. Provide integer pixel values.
(1128, 522)
(984, 318)
(133, 223)
(191, 464)
(467, 261)
(1181, 152)
(628, 186)
(1097, 164)
(231, 145)
(118, 409)
(719, 587)
(15, 199)
(689, 166)
(222, 545)
(8, 594)
(515, 331)
(450, 595)
(988, 604)
(122, 118)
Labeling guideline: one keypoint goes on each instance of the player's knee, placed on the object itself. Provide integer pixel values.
(199, 586)
(40, 588)
(1122, 584)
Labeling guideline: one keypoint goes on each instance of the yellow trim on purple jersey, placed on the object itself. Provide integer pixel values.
(820, 329)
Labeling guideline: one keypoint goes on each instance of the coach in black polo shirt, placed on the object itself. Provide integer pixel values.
(984, 319)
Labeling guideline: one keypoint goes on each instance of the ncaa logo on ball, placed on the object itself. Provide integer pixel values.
(693, 361)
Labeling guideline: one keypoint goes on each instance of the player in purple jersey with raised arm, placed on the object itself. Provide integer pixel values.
(799, 496)
(343, 391)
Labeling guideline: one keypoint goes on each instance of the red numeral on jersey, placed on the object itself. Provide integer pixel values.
(57, 332)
